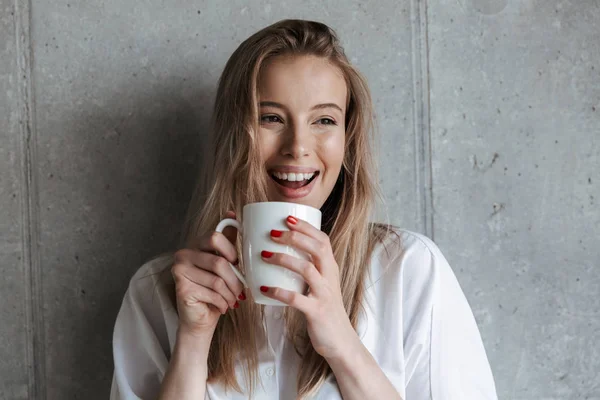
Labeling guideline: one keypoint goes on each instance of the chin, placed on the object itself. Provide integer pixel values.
(303, 201)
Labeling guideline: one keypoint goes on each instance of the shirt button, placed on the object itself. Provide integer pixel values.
(270, 371)
(277, 315)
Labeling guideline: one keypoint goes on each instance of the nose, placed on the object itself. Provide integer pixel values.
(297, 142)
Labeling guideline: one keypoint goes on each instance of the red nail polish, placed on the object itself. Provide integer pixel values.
(266, 254)
(276, 233)
(264, 288)
(242, 296)
(236, 305)
(292, 220)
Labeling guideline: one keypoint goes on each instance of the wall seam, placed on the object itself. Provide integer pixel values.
(424, 17)
(421, 117)
(36, 361)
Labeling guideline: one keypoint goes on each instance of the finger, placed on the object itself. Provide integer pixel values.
(305, 269)
(230, 232)
(211, 297)
(292, 299)
(190, 293)
(212, 281)
(319, 251)
(300, 225)
(219, 243)
(214, 264)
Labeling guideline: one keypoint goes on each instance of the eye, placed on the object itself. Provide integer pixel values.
(270, 119)
(326, 121)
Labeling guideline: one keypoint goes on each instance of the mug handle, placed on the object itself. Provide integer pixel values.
(235, 223)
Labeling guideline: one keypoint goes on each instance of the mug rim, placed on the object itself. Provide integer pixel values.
(282, 202)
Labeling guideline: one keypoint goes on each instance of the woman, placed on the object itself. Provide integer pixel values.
(384, 317)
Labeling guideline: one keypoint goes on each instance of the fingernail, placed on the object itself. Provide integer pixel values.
(236, 305)
(276, 233)
(266, 254)
(242, 296)
(264, 288)
(292, 220)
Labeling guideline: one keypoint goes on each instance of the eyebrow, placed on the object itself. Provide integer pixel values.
(316, 107)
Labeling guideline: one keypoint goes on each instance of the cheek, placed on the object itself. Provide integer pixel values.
(333, 148)
(268, 145)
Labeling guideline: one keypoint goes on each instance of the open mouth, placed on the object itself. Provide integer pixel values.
(294, 181)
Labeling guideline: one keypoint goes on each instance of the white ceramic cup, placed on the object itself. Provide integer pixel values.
(257, 221)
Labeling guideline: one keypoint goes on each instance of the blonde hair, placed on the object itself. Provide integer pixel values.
(238, 177)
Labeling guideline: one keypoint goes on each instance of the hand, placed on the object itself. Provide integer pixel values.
(205, 285)
(329, 327)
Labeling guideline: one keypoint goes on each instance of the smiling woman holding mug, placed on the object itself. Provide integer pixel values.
(380, 314)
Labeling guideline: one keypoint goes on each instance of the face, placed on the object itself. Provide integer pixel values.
(302, 134)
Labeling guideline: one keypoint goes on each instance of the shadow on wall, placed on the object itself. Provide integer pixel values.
(139, 154)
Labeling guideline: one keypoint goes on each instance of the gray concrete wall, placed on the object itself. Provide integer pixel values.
(489, 112)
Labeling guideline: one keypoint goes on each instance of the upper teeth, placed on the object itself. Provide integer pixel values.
(291, 176)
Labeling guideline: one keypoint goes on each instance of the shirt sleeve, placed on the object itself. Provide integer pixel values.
(140, 359)
(444, 355)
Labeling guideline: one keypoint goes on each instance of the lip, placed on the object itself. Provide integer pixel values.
(292, 168)
(295, 193)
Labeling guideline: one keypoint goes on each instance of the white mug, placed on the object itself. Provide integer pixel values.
(258, 220)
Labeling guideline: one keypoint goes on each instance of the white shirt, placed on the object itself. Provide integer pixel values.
(417, 325)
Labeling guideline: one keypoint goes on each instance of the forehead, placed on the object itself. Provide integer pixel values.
(301, 81)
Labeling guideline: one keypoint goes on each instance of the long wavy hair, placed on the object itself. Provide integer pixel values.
(236, 176)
